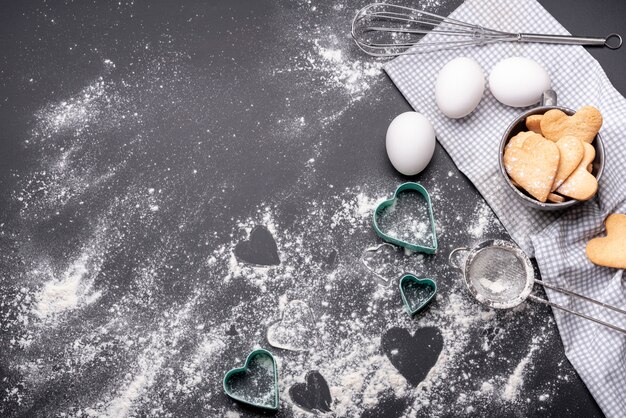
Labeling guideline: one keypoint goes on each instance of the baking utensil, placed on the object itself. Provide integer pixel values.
(256, 383)
(296, 329)
(388, 30)
(416, 293)
(372, 250)
(413, 246)
(498, 274)
(549, 101)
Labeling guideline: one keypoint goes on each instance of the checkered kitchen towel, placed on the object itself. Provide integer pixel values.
(556, 240)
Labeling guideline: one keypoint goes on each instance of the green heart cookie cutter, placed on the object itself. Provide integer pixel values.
(380, 209)
(236, 373)
(415, 303)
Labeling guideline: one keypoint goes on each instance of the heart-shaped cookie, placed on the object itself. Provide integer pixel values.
(571, 152)
(256, 383)
(555, 198)
(581, 184)
(533, 165)
(584, 124)
(429, 244)
(518, 140)
(416, 293)
(533, 123)
(610, 251)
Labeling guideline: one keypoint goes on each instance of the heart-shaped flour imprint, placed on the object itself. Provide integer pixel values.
(259, 249)
(296, 330)
(313, 394)
(610, 251)
(583, 125)
(533, 165)
(412, 355)
(407, 219)
(256, 383)
(571, 152)
(581, 184)
(416, 293)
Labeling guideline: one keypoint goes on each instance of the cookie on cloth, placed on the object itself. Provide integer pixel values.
(533, 164)
(581, 184)
(610, 251)
(584, 124)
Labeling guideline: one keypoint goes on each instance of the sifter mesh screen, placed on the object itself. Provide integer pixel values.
(497, 274)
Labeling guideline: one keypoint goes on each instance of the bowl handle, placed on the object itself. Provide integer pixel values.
(548, 98)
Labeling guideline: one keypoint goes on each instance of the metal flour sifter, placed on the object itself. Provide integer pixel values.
(500, 275)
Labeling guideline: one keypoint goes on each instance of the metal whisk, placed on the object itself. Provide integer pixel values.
(388, 30)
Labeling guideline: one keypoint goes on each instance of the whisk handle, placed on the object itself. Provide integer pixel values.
(613, 41)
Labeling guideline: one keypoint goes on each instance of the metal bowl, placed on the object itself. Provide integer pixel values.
(519, 125)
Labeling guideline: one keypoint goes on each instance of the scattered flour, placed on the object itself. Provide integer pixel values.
(486, 387)
(516, 380)
(66, 293)
(495, 287)
(483, 222)
(168, 326)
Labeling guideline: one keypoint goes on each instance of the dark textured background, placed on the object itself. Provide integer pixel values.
(52, 50)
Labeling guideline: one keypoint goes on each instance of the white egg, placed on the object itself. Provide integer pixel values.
(410, 142)
(518, 81)
(459, 87)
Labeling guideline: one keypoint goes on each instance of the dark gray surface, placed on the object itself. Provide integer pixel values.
(201, 78)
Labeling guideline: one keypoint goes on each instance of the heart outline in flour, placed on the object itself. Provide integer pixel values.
(408, 279)
(374, 250)
(233, 373)
(296, 312)
(380, 209)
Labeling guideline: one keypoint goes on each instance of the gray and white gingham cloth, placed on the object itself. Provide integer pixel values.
(556, 240)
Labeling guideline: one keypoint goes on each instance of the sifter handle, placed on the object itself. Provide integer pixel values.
(578, 295)
(582, 315)
(451, 259)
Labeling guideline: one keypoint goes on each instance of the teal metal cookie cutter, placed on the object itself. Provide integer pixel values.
(246, 373)
(416, 293)
(380, 209)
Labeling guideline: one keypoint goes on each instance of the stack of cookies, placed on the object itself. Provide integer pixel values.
(552, 161)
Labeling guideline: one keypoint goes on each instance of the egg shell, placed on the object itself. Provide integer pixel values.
(410, 142)
(518, 81)
(459, 87)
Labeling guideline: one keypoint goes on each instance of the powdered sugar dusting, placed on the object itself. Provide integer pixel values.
(122, 277)
(516, 380)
